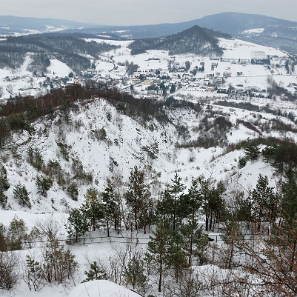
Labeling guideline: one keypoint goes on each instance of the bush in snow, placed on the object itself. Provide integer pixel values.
(22, 195)
(43, 184)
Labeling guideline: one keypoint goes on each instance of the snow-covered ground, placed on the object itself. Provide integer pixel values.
(253, 31)
(101, 288)
(58, 68)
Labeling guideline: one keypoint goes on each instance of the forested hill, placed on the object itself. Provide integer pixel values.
(195, 40)
(258, 29)
(68, 48)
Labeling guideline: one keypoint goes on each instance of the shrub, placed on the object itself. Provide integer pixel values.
(35, 158)
(95, 273)
(22, 195)
(73, 191)
(252, 152)
(9, 270)
(54, 167)
(16, 233)
(241, 162)
(3, 199)
(4, 185)
(43, 184)
(33, 276)
(3, 239)
(58, 263)
(64, 150)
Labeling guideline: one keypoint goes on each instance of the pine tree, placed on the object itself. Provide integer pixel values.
(95, 273)
(137, 197)
(284, 232)
(111, 207)
(191, 203)
(3, 199)
(43, 184)
(252, 152)
(93, 207)
(16, 232)
(22, 195)
(35, 158)
(135, 274)
(212, 201)
(78, 223)
(264, 203)
(3, 239)
(73, 191)
(4, 186)
(170, 208)
(176, 257)
(192, 236)
(165, 209)
(201, 244)
(158, 249)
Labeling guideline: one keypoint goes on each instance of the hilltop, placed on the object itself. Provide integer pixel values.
(195, 40)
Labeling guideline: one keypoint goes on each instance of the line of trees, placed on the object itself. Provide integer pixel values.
(258, 231)
(137, 210)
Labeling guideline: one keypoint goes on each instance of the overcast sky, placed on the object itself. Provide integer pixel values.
(139, 12)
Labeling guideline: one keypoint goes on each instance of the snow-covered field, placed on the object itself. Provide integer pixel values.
(101, 288)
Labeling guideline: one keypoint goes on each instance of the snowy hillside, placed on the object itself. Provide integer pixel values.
(160, 148)
(189, 131)
(105, 142)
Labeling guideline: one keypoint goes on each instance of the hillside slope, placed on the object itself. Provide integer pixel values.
(94, 141)
(274, 32)
(84, 143)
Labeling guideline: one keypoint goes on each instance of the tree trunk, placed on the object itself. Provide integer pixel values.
(135, 220)
(107, 226)
(211, 221)
(160, 277)
(93, 223)
(293, 256)
(191, 249)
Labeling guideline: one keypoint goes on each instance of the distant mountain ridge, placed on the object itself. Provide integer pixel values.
(274, 32)
(10, 25)
(195, 40)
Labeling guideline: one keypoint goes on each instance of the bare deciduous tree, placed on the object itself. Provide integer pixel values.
(9, 270)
